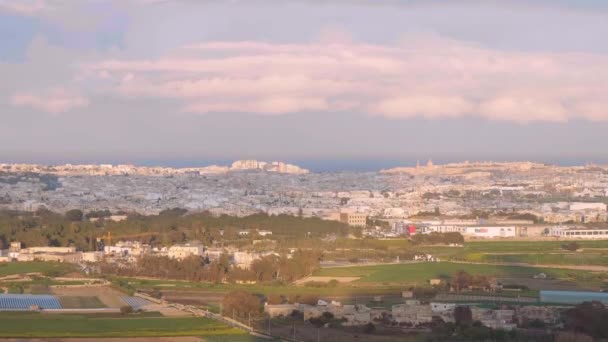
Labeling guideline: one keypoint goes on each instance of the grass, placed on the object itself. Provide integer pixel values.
(532, 252)
(29, 325)
(265, 289)
(233, 338)
(53, 268)
(420, 273)
(80, 302)
(565, 258)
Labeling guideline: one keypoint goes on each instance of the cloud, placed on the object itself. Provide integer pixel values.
(23, 7)
(54, 101)
(428, 106)
(421, 76)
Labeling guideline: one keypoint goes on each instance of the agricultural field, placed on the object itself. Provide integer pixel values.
(420, 273)
(84, 297)
(531, 252)
(81, 302)
(46, 268)
(494, 251)
(35, 325)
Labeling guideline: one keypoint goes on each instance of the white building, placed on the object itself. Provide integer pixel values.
(412, 312)
(127, 248)
(579, 233)
(490, 232)
(581, 206)
(45, 249)
(184, 251)
(92, 256)
(244, 259)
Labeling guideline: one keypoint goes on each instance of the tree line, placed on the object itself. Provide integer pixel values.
(173, 226)
(271, 268)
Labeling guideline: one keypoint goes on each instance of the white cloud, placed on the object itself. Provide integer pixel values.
(426, 76)
(428, 106)
(23, 7)
(54, 101)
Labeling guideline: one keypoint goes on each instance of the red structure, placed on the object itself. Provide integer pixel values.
(411, 230)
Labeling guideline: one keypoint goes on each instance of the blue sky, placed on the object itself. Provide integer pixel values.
(186, 82)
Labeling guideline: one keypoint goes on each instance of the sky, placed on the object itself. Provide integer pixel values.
(344, 83)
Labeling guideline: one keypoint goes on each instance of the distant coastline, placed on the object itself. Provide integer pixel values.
(302, 167)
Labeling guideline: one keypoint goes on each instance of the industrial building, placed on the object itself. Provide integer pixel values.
(579, 233)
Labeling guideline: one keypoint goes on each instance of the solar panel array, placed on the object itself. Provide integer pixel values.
(135, 302)
(18, 302)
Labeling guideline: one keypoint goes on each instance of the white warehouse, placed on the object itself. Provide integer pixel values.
(579, 233)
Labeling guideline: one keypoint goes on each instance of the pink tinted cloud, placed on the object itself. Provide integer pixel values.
(56, 100)
(426, 76)
(23, 7)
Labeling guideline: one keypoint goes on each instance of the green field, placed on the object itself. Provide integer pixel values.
(494, 251)
(531, 252)
(33, 325)
(50, 268)
(263, 289)
(420, 273)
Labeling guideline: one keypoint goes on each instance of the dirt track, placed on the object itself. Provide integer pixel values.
(325, 279)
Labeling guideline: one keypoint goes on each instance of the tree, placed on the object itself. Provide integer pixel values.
(589, 318)
(572, 246)
(274, 299)
(462, 280)
(74, 215)
(463, 315)
(125, 310)
(241, 304)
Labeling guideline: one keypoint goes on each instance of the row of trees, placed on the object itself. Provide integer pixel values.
(46, 228)
(589, 318)
(196, 268)
(463, 280)
(270, 268)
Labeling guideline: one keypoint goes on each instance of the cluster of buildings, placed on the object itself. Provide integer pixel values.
(127, 251)
(15, 252)
(114, 170)
(251, 186)
(131, 250)
(415, 313)
(482, 229)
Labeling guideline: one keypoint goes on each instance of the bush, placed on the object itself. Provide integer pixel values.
(125, 310)
(572, 246)
(74, 215)
(306, 299)
(156, 294)
(274, 299)
(241, 304)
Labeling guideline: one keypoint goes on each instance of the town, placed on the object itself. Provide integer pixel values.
(439, 272)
